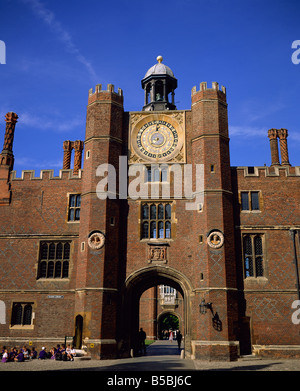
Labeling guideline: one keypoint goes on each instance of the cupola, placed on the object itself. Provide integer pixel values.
(159, 83)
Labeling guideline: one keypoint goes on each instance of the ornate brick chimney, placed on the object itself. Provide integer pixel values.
(68, 146)
(78, 147)
(282, 134)
(272, 134)
(7, 158)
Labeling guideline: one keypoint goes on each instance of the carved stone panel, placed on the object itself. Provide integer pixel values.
(157, 253)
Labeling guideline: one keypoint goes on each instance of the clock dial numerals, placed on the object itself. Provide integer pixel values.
(157, 139)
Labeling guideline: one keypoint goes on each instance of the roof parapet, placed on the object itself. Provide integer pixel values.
(203, 87)
(110, 88)
(45, 174)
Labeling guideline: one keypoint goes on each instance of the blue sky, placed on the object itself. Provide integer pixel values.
(57, 50)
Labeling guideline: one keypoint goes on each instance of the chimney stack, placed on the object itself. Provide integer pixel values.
(7, 157)
(282, 134)
(272, 134)
(78, 147)
(68, 146)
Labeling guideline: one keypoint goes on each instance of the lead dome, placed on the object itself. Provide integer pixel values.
(159, 69)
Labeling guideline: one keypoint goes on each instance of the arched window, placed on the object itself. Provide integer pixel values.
(66, 251)
(44, 251)
(153, 212)
(160, 211)
(65, 272)
(50, 270)
(52, 251)
(145, 230)
(57, 273)
(164, 174)
(59, 251)
(168, 212)
(145, 211)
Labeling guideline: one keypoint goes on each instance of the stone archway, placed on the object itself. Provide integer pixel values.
(137, 283)
(160, 318)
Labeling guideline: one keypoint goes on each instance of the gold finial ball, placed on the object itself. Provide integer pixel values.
(159, 59)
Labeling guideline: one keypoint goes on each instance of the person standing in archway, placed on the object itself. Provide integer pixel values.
(179, 338)
(171, 336)
(142, 337)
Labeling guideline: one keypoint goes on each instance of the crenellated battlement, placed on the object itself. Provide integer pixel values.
(45, 175)
(203, 87)
(110, 88)
(265, 171)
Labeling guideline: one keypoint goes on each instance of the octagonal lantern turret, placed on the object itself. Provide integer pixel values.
(159, 82)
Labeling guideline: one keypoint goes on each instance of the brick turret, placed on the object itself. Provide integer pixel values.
(97, 270)
(210, 147)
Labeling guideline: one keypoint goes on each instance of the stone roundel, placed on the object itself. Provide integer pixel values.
(96, 240)
(215, 239)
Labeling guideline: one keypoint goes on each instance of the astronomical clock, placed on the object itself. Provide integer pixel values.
(157, 138)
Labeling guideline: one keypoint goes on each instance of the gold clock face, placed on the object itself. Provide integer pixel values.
(157, 139)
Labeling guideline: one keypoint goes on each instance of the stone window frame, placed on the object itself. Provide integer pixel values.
(74, 208)
(254, 255)
(251, 210)
(23, 324)
(156, 220)
(53, 265)
(151, 175)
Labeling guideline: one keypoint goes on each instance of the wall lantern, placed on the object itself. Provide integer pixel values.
(204, 306)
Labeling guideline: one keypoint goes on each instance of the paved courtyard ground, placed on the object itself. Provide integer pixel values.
(161, 356)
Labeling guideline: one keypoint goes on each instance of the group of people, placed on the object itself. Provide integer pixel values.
(20, 355)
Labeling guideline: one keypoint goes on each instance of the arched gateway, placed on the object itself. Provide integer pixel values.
(137, 283)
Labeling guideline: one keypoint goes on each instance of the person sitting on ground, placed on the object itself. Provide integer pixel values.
(43, 354)
(58, 353)
(33, 354)
(12, 354)
(2, 352)
(25, 352)
(69, 354)
(52, 353)
(73, 352)
(20, 356)
(5, 356)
